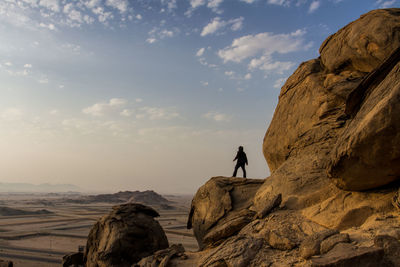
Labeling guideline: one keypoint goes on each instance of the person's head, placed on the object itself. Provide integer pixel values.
(240, 148)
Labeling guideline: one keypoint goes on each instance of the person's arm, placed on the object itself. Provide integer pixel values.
(246, 159)
(236, 157)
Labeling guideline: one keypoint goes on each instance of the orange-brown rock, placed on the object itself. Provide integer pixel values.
(123, 237)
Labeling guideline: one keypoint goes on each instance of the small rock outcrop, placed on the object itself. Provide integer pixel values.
(4, 263)
(220, 208)
(123, 237)
(73, 259)
(162, 257)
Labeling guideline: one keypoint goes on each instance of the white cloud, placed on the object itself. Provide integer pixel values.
(196, 3)
(217, 24)
(200, 52)
(28, 66)
(279, 2)
(211, 4)
(156, 33)
(43, 80)
(139, 17)
(171, 4)
(151, 40)
(216, 116)
(385, 4)
(214, 5)
(99, 109)
(279, 83)
(267, 64)
(229, 73)
(52, 5)
(139, 100)
(156, 113)
(49, 26)
(204, 83)
(92, 3)
(313, 6)
(11, 114)
(121, 5)
(247, 76)
(248, 1)
(165, 33)
(265, 43)
(8, 63)
(126, 113)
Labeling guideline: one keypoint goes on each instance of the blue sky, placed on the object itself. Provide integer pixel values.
(116, 94)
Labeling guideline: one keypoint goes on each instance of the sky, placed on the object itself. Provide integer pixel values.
(116, 95)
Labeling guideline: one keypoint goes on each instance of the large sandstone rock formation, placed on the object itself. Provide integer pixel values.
(123, 237)
(333, 149)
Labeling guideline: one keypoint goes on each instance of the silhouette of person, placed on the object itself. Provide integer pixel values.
(241, 161)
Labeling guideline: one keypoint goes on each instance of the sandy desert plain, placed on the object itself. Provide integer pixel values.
(37, 229)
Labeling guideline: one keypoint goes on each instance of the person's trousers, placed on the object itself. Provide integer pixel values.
(237, 167)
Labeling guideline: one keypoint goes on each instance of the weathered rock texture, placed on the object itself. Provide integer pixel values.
(220, 208)
(333, 148)
(123, 237)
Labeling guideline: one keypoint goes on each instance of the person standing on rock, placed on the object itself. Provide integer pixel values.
(241, 161)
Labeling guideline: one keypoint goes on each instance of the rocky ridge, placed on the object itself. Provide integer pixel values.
(333, 150)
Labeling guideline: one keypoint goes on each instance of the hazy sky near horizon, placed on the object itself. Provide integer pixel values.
(132, 95)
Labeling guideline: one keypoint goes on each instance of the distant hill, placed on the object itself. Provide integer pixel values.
(148, 197)
(6, 211)
(26, 187)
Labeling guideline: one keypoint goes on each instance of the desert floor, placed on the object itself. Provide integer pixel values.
(42, 239)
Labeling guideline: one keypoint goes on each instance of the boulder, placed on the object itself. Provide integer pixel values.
(4, 263)
(162, 257)
(73, 259)
(124, 236)
(220, 208)
(332, 241)
(312, 244)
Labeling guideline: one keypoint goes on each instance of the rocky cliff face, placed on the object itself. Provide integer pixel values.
(333, 148)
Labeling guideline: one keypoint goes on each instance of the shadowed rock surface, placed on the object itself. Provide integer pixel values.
(123, 237)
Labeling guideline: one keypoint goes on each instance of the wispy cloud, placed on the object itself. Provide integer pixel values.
(200, 52)
(214, 5)
(385, 4)
(314, 6)
(217, 116)
(280, 82)
(157, 113)
(12, 114)
(100, 109)
(267, 44)
(218, 24)
(279, 2)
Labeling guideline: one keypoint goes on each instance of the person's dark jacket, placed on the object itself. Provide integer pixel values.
(241, 158)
